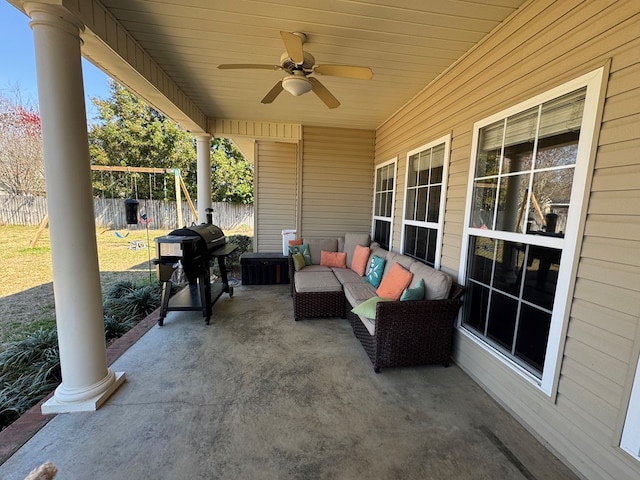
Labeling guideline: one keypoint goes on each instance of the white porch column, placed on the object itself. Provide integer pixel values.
(203, 148)
(86, 380)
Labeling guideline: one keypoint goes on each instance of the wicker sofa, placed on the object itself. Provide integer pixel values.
(403, 333)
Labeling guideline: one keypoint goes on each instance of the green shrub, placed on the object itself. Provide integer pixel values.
(121, 288)
(30, 365)
(29, 370)
(116, 327)
(127, 304)
(245, 244)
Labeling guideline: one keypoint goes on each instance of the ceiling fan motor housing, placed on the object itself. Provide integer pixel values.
(289, 65)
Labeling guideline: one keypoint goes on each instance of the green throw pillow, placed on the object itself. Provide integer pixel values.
(375, 270)
(368, 307)
(298, 261)
(415, 293)
(304, 250)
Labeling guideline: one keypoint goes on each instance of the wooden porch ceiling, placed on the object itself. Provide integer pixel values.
(406, 43)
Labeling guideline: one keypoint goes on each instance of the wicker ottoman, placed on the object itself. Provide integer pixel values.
(317, 294)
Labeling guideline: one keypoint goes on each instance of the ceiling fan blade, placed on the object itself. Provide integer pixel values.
(237, 66)
(273, 93)
(346, 71)
(323, 94)
(293, 44)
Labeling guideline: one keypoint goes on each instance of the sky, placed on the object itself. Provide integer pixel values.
(18, 64)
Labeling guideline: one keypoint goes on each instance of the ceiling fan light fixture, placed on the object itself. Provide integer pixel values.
(296, 85)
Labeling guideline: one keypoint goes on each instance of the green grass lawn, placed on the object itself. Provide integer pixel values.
(26, 292)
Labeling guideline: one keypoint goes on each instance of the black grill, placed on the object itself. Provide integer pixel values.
(192, 246)
(195, 248)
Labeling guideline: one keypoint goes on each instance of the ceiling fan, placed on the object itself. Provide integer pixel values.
(298, 66)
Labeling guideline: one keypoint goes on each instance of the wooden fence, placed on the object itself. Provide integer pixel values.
(110, 213)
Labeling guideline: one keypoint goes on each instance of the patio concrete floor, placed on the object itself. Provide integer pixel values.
(256, 395)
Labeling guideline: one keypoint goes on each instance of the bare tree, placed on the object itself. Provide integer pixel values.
(21, 165)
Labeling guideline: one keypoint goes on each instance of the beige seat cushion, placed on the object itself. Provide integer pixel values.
(317, 244)
(437, 284)
(306, 282)
(356, 292)
(345, 275)
(350, 242)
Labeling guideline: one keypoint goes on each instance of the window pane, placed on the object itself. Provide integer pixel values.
(477, 306)
(425, 162)
(411, 205)
(533, 333)
(412, 173)
(410, 240)
(388, 205)
(481, 252)
(563, 114)
(519, 141)
(511, 205)
(381, 233)
(431, 247)
(387, 173)
(551, 189)
(434, 204)
(557, 151)
(509, 261)
(489, 148)
(421, 243)
(502, 319)
(542, 275)
(437, 164)
(421, 207)
(484, 192)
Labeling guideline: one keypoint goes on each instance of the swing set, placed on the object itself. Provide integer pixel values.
(131, 204)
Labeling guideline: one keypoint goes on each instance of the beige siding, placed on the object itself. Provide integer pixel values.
(263, 130)
(275, 193)
(544, 45)
(337, 181)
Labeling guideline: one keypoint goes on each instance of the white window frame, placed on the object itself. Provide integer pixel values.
(439, 225)
(570, 242)
(375, 217)
(630, 441)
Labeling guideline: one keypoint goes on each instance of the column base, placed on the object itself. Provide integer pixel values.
(53, 405)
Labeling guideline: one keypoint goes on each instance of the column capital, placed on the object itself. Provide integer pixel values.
(53, 14)
(202, 136)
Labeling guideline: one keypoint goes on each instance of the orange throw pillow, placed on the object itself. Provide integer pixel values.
(333, 259)
(394, 282)
(360, 259)
(295, 242)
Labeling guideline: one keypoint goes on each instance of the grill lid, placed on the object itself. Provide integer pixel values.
(211, 235)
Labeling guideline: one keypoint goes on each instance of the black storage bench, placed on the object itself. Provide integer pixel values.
(264, 268)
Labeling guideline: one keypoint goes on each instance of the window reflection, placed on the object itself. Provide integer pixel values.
(541, 277)
(481, 259)
(476, 307)
(501, 323)
(484, 197)
(511, 203)
(533, 333)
